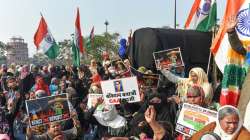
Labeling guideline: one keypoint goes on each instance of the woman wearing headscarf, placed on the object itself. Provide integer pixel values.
(54, 86)
(27, 80)
(228, 126)
(243, 50)
(195, 96)
(93, 66)
(40, 84)
(165, 111)
(197, 76)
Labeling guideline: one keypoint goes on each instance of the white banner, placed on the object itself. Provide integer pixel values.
(120, 89)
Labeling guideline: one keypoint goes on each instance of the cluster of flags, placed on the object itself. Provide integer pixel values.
(202, 17)
(45, 42)
(223, 54)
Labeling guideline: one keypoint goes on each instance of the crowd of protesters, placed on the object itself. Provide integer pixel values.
(154, 117)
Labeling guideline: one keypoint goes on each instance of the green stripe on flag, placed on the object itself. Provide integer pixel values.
(76, 55)
(210, 21)
(234, 75)
(53, 51)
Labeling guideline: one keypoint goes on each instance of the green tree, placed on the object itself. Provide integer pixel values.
(2, 52)
(2, 49)
(105, 42)
(65, 55)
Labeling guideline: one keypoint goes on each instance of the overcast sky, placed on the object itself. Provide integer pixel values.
(21, 17)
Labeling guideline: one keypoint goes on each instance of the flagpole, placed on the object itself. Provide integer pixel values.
(210, 54)
(175, 14)
(214, 70)
(209, 61)
(41, 14)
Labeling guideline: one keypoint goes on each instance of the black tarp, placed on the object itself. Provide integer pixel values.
(195, 46)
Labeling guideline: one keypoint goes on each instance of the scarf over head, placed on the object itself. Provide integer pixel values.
(107, 115)
(202, 81)
(219, 131)
(24, 71)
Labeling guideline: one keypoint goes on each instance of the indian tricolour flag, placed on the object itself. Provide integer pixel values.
(230, 62)
(44, 40)
(202, 16)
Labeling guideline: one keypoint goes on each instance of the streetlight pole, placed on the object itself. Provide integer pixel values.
(175, 14)
(106, 24)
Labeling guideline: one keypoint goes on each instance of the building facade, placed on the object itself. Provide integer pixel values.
(17, 51)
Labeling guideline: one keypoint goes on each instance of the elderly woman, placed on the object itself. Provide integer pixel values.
(227, 127)
(197, 76)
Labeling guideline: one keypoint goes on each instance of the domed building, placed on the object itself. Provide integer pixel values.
(17, 51)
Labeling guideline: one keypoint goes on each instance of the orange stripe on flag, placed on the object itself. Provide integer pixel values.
(41, 32)
(232, 8)
(192, 12)
(78, 29)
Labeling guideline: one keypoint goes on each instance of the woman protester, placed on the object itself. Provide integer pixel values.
(197, 76)
(228, 126)
(165, 112)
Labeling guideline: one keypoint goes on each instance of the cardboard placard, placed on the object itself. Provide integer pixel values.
(91, 97)
(120, 68)
(193, 118)
(168, 59)
(48, 109)
(120, 89)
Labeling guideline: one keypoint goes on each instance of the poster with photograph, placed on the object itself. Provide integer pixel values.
(91, 97)
(48, 109)
(121, 70)
(193, 118)
(170, 59)
(114, 91)
(147, 80)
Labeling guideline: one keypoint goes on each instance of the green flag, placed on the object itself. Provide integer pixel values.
(76, 55)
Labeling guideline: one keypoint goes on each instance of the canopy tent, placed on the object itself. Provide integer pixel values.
(195, 46)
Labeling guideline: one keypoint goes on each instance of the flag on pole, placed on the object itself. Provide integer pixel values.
(203, 15)
(90, 42)
(44, 41)
(78, 35)
(230, 62)
(76, 55)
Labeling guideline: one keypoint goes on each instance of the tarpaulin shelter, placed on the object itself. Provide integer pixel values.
(195, 46)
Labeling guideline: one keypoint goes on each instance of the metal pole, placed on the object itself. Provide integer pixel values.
(106, 28)
(106, 23)
(175, 14)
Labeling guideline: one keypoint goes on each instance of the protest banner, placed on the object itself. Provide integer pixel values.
(91, 97)
(114, 91)
(48, 109)
(193, 118)
(120, 68)
(170, 59)
(147, 80)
